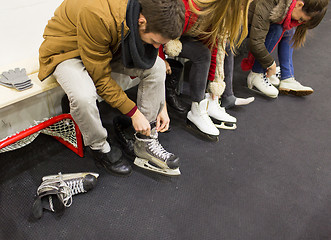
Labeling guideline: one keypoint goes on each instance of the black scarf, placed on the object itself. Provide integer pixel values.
(136, 54)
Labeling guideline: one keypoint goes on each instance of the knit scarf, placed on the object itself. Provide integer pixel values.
(136, 53)
(287, 22)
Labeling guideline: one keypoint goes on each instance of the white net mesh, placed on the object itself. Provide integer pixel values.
(64, 129)
(20, 143)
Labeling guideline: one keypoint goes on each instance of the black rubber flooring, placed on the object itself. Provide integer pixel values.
(268, 180)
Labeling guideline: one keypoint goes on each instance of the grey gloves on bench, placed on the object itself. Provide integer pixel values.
(17, 79)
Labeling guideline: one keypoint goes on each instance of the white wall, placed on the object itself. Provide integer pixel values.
(22, 23)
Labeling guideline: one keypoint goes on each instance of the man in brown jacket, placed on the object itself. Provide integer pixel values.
(87, 40)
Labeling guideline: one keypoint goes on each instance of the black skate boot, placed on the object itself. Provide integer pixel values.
(171, 84)
(124, 133)
(56, 191)
(152, 156)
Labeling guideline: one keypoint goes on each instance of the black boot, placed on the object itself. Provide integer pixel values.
(112, 161)
(124, 133)
(171, 85)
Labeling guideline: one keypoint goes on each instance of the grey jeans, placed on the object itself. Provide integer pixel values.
(78, 85)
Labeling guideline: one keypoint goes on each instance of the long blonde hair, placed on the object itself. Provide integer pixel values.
(219, 20)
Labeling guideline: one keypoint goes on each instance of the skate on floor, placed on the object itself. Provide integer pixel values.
(219, 116)
(56, 191)
(152, 156)
(200, 123)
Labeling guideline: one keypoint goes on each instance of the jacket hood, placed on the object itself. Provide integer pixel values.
(279, 12)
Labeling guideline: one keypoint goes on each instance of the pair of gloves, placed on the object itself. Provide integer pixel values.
(16, 78)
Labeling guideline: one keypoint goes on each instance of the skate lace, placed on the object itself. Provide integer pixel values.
(157, 149)
(76, 186)
(278, 75)
(64, 190)
(266, 80)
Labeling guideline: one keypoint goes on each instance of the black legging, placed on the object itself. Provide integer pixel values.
(200, 56)
(228, 72)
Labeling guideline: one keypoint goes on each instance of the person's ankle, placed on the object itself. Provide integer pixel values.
(103, 147)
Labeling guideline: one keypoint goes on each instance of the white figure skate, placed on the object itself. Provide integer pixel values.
(262, 84)
(274, 79)
(199, 121)
(219, 116)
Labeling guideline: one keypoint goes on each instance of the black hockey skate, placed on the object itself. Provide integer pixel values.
(56, 191)
(172, 85)
(124, 133)
(152, 156)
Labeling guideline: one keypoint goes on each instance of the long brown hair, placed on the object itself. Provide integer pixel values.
(219, 20)
(316, 9)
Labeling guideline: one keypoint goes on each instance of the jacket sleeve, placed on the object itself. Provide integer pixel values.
(259, 29)
(96, 34)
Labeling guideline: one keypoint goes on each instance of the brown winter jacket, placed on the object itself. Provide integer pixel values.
(261, 14)
(90, 30)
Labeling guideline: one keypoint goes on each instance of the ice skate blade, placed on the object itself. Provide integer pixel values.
(143, 163)
(198, 133)
(226, 126)
(67, 176)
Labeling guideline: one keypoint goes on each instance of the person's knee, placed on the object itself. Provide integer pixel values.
(159, 69)
(160, 65)
(202, 56)
(82, 101)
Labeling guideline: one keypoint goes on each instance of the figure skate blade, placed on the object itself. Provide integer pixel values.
(226, 125)
(196, 132)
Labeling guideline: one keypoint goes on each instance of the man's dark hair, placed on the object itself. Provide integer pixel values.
(165, 17)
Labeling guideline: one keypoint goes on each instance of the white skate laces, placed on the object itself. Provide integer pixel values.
(61, 188)
(156, 148)
(266, 80)
(65, 192)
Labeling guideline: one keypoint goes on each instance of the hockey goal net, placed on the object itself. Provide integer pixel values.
(63, 128)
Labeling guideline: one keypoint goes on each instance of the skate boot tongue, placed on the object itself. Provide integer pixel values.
(154, 135)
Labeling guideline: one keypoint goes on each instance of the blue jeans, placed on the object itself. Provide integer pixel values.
(285, 50)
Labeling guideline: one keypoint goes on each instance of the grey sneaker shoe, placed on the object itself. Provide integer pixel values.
(152, 156)
(56, 191)
(291, 86)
